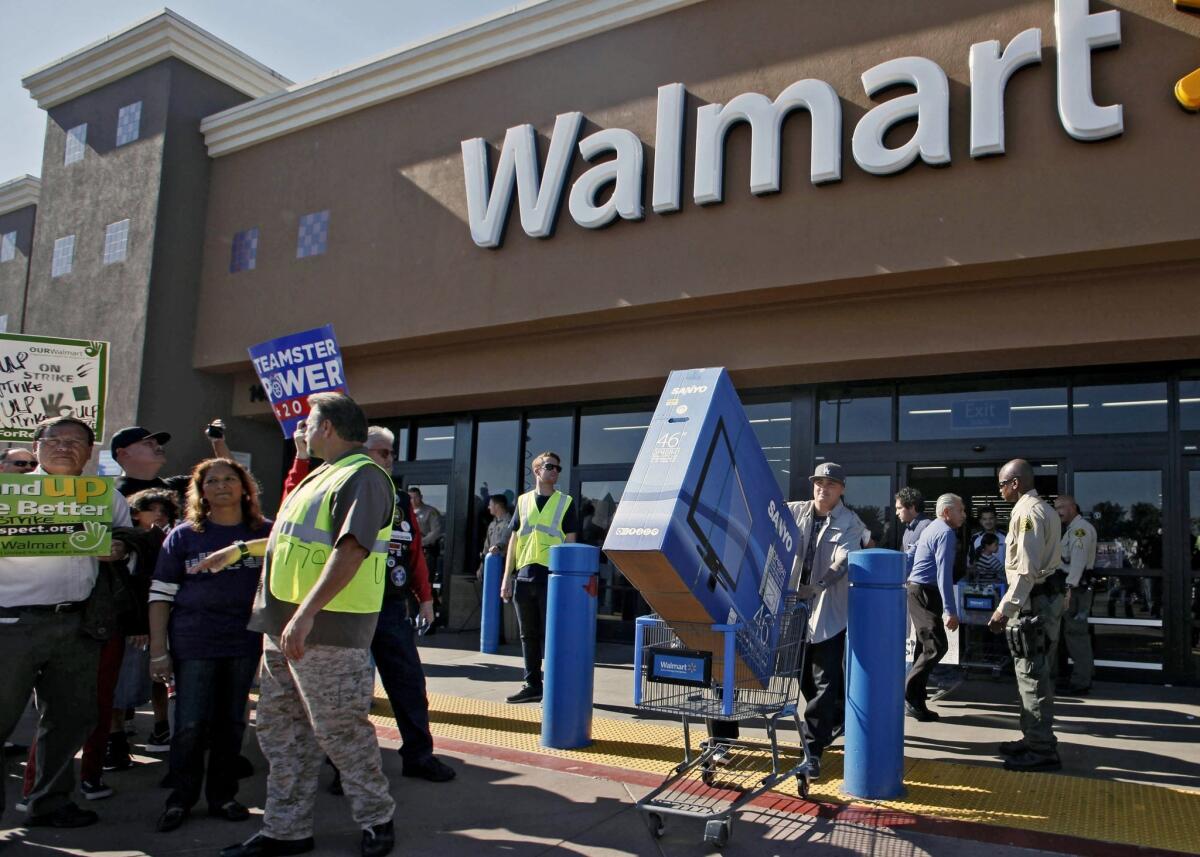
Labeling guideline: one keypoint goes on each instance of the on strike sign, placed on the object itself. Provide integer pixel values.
(292, 368)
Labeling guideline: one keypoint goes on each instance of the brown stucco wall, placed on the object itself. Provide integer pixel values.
(1081, 243)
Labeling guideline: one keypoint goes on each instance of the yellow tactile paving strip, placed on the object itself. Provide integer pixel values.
(1107, 811)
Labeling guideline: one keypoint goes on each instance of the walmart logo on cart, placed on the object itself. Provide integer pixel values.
(612, 188)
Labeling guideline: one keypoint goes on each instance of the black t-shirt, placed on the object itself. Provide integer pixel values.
(128, 486)
(570, 525)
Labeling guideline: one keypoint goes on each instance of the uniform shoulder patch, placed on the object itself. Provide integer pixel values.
(1027, 525)
(1081, 532)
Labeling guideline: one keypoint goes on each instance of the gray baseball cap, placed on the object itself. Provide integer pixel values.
(829, 470)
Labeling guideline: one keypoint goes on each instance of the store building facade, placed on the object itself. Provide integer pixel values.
(918, 253)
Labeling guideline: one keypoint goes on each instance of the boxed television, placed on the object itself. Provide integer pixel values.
(702, 530)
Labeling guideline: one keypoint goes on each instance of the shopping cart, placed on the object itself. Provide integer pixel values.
(690, 669)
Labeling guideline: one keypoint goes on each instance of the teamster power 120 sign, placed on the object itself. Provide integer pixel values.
(293, 367)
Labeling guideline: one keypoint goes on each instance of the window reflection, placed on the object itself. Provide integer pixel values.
(1193, 591)
(854, 419)
(497, 448)
(608, 438)
(401, 443)
(1189, 406)
(1120, 408)
(772, 424)
(548, 434)
(1125, 507)
(617, 599)
(870, 497)
(435, 442)
(983, 413)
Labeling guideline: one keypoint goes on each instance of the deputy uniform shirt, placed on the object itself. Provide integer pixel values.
(1031, 549)
(570, 525)
(1078, 549)
(361, 507)
(55, 579)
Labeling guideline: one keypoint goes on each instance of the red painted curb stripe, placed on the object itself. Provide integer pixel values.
(855, 814)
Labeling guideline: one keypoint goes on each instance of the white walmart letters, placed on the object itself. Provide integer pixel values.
(1077, 32)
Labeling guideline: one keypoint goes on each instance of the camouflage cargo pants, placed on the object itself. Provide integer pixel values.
(308, 709)
(1034, 681)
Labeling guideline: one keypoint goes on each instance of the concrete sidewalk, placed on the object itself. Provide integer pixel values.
(522, 803)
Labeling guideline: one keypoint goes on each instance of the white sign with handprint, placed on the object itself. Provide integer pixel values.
(44, 376)
(55, 515)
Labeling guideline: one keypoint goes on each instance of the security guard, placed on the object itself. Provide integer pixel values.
(1078, 551)
(545, 517)
(1029, 615)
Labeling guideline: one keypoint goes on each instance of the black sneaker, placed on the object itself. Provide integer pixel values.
(231, 810)
(160, 738)
(1013, 748)
(171, 819)
(261, 845)
(528, 693)
(924, 715)
(1031, 760)
(432, 769)
(379, 840)
(67, 815)
(95, 791)
(116, 756)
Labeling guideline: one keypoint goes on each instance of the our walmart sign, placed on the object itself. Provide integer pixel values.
(539, 194)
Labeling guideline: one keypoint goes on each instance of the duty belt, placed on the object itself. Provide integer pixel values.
(1055, 584)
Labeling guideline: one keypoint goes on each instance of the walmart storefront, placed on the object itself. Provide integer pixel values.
(923, 238)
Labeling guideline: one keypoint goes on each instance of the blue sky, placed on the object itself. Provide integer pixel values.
(301, 39)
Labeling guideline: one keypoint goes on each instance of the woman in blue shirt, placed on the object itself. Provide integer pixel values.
(202, 617)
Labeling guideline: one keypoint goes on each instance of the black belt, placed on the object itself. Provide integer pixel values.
(1055, 584)
(63, 607)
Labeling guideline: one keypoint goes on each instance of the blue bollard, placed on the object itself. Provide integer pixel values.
(489, 623)
(570, 646)
(875, 641)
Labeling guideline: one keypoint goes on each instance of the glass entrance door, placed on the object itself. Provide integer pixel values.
(433, 480)
(1192, 576)
(598, 490)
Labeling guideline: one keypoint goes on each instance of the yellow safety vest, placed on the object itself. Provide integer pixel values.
(302, 540)
(540, 529)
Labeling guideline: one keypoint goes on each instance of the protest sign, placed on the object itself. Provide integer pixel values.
(55, 515)
(43, 377)
(293, 367)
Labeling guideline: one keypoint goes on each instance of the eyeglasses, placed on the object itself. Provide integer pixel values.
(22, 462)
(383, 453)
(1004, 482)
(557, 467)
(64, 443)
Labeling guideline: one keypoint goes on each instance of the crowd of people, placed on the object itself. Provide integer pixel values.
(202, 595)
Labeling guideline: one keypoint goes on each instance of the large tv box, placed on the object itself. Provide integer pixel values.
(702, 530)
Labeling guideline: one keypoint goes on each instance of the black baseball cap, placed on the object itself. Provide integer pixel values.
(129, 436)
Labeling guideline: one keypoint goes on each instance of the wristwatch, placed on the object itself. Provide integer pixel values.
(244, 552)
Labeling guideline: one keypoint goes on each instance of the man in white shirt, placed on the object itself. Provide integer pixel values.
(46, 648)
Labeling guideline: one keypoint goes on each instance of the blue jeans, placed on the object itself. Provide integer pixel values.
(394, 648)
(210, 715)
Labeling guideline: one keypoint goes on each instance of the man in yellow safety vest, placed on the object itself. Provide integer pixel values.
(317, 604)
(545, 517)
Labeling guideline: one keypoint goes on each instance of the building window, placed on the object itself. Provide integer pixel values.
(116, 239)
(855, 416)
(8, 246)
(612, 438)
(772, 424)
(64, 256)
(129, 123)
(76, 140)
(1120, 408)
(983, 413)
(245, 251)
(312, 237)
(1189, 405)
(548, 434)
(435, 442)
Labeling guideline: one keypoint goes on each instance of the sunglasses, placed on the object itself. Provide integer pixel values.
(1004, 482)
(23, 463)
(557, 467)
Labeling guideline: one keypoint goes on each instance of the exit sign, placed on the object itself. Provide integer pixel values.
(980, 414)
